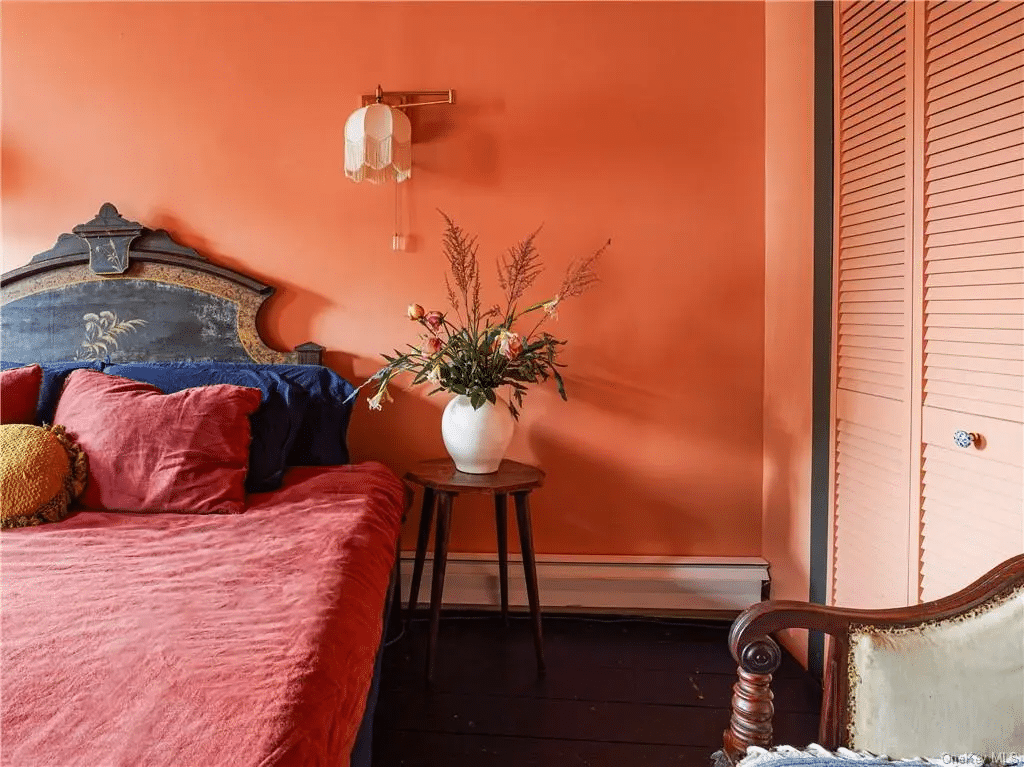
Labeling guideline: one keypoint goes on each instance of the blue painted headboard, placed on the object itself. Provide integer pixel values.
(116, 291)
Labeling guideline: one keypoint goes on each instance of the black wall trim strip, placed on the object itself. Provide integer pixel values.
(822, 345)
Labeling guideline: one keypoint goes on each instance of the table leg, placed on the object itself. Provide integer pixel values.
(522, 501)
(426, 518)
(501, 521)
(441, 534)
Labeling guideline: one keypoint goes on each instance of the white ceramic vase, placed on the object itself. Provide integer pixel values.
(476, 439)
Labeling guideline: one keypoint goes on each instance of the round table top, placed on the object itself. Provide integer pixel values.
(441, 474)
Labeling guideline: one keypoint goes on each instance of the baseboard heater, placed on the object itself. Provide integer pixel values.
(712, 586)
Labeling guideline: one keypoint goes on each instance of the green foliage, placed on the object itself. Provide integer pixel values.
(471, 351)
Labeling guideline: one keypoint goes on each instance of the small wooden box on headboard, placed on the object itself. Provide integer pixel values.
(114, 290)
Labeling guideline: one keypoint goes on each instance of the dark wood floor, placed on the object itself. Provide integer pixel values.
(625, 692)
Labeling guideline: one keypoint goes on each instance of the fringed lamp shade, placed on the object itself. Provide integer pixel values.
(378, 144)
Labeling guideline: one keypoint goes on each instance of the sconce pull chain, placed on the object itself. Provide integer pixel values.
(397, 241)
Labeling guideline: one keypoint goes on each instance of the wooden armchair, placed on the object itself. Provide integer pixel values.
(942, 677)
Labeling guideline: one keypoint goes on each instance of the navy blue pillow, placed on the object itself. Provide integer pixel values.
(322, 439)
(275, 424)
(54, 374)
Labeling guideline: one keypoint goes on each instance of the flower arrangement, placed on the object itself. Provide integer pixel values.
(471, 350)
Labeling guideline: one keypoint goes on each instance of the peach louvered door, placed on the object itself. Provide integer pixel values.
(973, 316)
(873, 349)
(929, 350)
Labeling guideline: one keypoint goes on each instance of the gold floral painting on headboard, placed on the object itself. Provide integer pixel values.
(101, 332)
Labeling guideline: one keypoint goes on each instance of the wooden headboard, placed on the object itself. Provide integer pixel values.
(114, 290)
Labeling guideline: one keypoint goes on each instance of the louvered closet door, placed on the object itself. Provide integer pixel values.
(973, 497)
(871, 559)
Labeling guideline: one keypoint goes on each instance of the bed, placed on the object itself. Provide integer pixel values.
(240, 624)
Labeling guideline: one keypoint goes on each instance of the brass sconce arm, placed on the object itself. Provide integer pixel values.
(403, 98)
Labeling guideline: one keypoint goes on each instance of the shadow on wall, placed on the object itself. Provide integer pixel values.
(589, 501)
(679, 482)
(669, 494)
(616, 395)
(183, 234)
(13, 166)
(454, 141)
(571, 512)
(396, 430)
(654, 473)
(291, 306)
(786, 500)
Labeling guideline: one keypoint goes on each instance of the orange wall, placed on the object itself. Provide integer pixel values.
(643, 122)
(789, 284)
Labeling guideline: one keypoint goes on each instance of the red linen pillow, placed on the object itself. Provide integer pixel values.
(150, 451)
(19, 394)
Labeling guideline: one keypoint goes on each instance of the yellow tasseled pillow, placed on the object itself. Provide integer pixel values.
(41, 472)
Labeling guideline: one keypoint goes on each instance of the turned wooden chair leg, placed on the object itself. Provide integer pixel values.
(752, 709)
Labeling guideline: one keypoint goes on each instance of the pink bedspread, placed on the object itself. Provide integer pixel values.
(186, 640)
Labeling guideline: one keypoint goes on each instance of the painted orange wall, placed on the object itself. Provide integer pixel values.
(789, 285)
(643, 122)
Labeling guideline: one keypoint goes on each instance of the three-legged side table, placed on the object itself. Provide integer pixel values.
(442, 483)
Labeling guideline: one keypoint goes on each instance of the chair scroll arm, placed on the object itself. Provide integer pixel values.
(759, 656)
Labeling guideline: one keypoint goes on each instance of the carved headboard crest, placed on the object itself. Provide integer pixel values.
(108, 236)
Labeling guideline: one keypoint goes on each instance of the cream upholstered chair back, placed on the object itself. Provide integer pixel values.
(939, 678)
(951, 686)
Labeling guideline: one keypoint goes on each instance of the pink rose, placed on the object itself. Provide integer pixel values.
(433, 320)
(434, 344)
(415, 312)
(510, 345)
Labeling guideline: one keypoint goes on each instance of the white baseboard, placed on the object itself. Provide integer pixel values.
(655, 585)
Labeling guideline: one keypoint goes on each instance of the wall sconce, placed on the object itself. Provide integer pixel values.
(378, 136)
